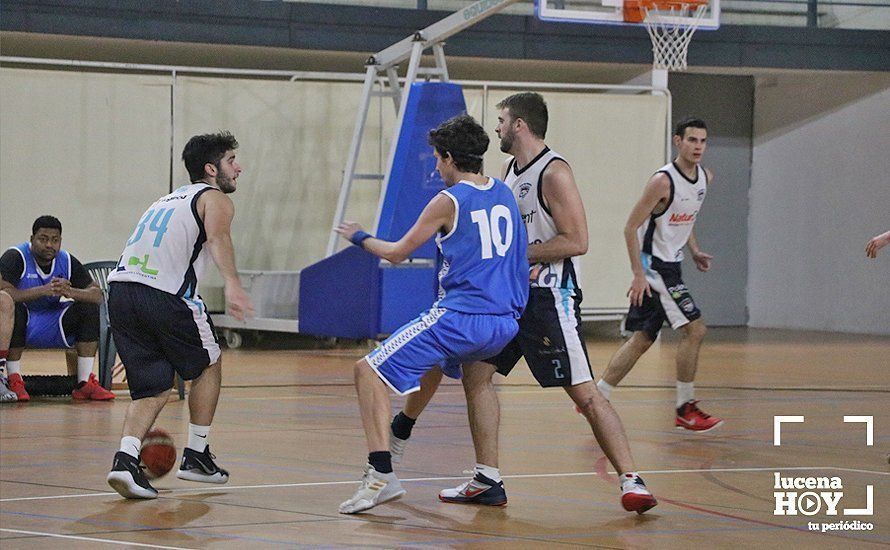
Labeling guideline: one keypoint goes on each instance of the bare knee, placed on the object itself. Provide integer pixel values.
(7, 305)
(696, 331)
(589, 399)
(476, 375)
(642, 341)
(361, 369)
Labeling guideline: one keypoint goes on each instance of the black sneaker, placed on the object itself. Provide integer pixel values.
(197, 466)
(479, 490)
(127, 478)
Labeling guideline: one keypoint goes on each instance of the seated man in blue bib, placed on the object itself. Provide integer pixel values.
(56, 305)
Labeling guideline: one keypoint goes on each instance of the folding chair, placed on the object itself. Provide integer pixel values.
(99, 271)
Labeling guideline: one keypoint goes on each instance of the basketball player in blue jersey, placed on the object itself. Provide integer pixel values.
(56, 305)
(549, 330)
(658, 228)
(159, 322)
(483, 290)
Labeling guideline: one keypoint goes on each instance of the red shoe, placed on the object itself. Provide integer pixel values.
(91, 390)
(17, 385)
(691, 418)
(635, 497)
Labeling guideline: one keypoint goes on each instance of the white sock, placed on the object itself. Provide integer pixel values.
(199, 437)
(605, 388)
(493, 474)
(13, 367)
(131, 445)
(84, 368)
(685, 392)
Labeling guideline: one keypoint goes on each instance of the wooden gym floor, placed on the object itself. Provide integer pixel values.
(288, 430)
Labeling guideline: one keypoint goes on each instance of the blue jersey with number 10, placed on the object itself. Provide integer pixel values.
(484, 268)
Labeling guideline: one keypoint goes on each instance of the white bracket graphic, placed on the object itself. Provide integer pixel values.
(777, 427)
(869, 501)
(869, 422)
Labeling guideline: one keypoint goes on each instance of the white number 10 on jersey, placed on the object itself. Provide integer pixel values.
(490, 230)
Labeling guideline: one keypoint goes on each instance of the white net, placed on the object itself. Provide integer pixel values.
(671, 29)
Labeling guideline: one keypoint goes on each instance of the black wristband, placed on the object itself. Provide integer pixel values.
(359, 237)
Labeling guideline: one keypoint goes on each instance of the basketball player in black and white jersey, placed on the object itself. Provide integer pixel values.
(159, 322)
(549, 330)
(658, 228)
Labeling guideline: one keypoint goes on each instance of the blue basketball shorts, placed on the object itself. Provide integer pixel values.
(45, 330)
(439, 337)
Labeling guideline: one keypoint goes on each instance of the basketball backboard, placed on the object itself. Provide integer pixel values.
(611, 12)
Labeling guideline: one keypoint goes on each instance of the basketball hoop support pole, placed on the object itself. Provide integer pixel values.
(659, 78)
(382, 67)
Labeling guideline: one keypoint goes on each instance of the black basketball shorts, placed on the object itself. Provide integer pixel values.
(158, 334)
(550, 339)
(670, 300)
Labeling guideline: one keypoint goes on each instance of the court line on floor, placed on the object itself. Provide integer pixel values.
(91, 539)
(453, 478)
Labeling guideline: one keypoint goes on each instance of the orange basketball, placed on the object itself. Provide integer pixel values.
(158, 453)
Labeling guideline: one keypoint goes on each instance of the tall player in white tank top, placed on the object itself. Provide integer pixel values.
(658, 228)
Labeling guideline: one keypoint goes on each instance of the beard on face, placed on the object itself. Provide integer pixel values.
(225, 184)
(506, 141)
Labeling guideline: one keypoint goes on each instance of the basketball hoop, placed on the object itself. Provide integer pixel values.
(671, 24)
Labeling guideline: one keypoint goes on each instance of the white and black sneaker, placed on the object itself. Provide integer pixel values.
(197, 466)
(127, 478)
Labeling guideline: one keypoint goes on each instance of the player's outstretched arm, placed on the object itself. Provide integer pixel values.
(657, 189)
(218, 211)
(876, 243)
(438, 214)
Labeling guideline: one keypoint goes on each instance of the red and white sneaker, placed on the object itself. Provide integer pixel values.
(91, 389)
(17, 385)
(693, 419)
(635, 497)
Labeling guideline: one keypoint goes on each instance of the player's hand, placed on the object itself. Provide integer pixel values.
(639, 287)
(61, 287)
(876, 243)
(238, 303)
(534, 272)
(702, 261)
(347, 229)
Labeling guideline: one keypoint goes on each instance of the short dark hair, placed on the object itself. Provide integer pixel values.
(463, 139)
(530, 107)
(46, 222)
(689, 122)
(206, 148)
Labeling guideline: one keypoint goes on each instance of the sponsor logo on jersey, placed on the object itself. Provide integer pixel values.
(678, 219)
(174, 198)
(529, 218)
(701, 195)
(524, 189)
